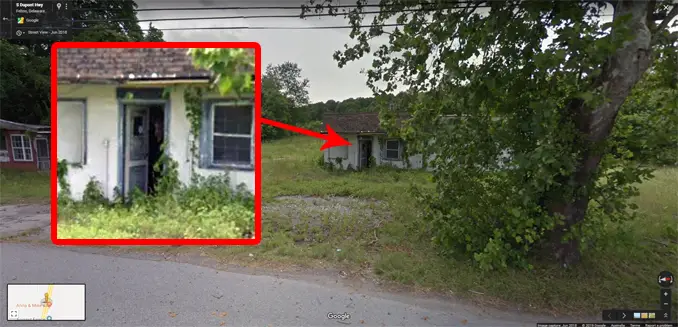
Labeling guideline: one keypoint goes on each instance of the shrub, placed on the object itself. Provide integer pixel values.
(93, 193)
(320, 160)
(207, 208)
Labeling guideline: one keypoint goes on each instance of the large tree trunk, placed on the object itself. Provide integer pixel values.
(619, 75)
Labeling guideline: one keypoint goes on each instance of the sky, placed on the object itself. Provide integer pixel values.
(312, 50)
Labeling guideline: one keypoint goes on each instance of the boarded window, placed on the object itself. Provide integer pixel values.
(338, 152)
(232, 134)
(71, 131)
(21, 147)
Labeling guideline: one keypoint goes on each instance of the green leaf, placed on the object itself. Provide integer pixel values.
(586, 96)
(225, 85)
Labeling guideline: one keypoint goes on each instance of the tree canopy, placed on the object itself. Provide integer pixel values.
(284, 97)
(528, 166)
(24, 86)
(25, 64)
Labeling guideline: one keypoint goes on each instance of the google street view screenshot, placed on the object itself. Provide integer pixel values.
(325, 163)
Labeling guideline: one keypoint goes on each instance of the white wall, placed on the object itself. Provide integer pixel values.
(102, 125)
(102, 118)
(353, 154)
(415, 160)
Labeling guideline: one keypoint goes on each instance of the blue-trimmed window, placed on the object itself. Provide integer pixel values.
(392, 149)
(227, 136)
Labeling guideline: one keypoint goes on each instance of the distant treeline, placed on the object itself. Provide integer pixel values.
(285, 99)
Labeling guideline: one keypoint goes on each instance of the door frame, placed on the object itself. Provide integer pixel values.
(145, 111)
(37, 152)
(362, 140)
(140, 97)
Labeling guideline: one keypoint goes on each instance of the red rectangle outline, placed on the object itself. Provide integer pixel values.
(140, 242)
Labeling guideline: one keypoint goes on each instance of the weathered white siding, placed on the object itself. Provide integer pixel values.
(415, 160)
(102, 127)
(102, 117)
(351, 153)
(353, 158)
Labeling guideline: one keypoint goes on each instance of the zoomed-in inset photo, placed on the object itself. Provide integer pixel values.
(155, 143)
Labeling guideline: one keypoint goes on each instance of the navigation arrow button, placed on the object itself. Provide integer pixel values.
(623, 315)
(609, 315)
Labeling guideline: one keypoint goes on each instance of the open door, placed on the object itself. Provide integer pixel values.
(365, 151)
(136, 148)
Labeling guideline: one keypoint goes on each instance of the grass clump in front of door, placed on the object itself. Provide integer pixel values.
(208, 208)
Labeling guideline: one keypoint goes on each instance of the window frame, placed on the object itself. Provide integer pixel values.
(212, 111)
(23, 148)
(400, 150)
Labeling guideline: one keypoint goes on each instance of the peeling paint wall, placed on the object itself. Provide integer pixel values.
(102, 119)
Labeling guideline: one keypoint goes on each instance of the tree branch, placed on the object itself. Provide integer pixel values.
(671, 15)
(650, 13)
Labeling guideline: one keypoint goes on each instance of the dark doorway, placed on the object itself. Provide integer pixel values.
(365, 152)
(155, 142)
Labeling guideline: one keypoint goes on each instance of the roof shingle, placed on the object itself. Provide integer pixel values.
(360, 122)
(116, 64)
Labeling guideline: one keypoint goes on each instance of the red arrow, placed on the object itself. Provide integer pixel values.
(332, 139)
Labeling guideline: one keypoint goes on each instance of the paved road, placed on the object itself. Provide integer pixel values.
(15, 219)
(131, 292)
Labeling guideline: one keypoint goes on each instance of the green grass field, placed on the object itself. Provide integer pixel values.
(23, 187)
(371, 226)
(207, 209)
(368, 224)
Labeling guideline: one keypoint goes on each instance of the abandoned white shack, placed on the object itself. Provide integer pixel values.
(370, 144)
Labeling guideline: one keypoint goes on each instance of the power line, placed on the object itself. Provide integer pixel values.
(376, 12)
(308, 7)
(253, 8)
(247, 27)
(298, 16)
(299, 7)
(263, 27)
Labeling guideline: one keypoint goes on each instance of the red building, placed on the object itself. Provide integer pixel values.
(24, 146)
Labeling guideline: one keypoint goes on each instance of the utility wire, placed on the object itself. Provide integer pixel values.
(298, 7)
(309, 7)
(376, 12)
(298, 16)
(240, 27)
(262, 27)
